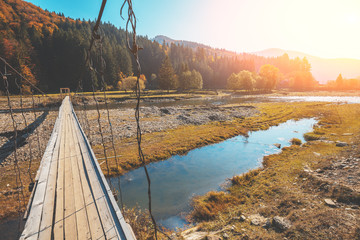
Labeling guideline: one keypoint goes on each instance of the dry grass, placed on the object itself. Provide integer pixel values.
(282, 188)
(273, 186)
(159, 146)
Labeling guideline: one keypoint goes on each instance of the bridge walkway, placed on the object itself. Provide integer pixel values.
(71, 197)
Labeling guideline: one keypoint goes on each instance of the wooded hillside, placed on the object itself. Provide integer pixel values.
(49, 50)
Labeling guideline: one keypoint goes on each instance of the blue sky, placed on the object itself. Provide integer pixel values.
(325, 28)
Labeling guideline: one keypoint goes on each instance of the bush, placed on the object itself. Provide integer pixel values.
(311, 137)
(295, 141)
(206, 207)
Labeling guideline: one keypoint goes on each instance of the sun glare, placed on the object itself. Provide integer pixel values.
(352, 18)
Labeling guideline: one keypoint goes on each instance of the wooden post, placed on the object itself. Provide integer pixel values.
(65, 91)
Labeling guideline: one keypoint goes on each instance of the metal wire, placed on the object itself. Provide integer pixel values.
(94, 37)
(18, 181)
(36, 130)
(102, 68)
(13, 69)
(134, 49)
(99, 122)
(80, 88)
(26, 125)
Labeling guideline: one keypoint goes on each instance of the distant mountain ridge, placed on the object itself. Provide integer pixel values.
(161, 38)
(323, 69)
(193, 45)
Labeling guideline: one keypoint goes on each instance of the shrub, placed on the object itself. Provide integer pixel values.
(295, 141)
(311, 137)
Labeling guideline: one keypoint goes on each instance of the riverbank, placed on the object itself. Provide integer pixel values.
(165, 130)
(305, 192)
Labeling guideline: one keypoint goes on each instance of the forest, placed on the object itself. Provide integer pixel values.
(50, 51)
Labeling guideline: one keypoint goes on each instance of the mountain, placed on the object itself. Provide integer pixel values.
(161, 39)
(194, 45)
(323, 69)
(49, 50)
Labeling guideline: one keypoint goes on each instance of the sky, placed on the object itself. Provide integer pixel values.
(324, 28)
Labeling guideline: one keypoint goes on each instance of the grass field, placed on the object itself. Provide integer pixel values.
(277, 186)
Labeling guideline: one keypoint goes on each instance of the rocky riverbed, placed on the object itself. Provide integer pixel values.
(156, 119)
(153, 119)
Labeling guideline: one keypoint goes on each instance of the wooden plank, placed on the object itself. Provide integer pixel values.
(83, 230)
(98, 193)
(32, 226)
(72, 193)
(58, 228)
(49, 202)
(123, 229)
(93, 216)
(69, 208)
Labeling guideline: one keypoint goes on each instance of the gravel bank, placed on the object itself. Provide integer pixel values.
(157, 119)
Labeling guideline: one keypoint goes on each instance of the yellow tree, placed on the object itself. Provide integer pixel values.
(270, 75)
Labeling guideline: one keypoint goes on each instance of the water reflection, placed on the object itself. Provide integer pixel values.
(176, 180)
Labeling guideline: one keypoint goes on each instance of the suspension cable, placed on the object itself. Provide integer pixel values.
(98, 119)
(131, 20)
(38, 89)
(80, 88)
(26, 125)
(102, 69)
(36, 130)
(18, 181)
(96, 36)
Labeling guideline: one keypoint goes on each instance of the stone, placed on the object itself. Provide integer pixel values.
(213, 237)
(165, 110)
(225, 236)
(267, 223)
(330, 202)
(257, 220)
(278, 145)
(281, 223)
(341, 144)
(242, 218)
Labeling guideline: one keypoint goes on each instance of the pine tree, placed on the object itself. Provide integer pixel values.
(167, 77)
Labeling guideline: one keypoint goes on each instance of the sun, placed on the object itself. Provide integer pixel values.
(352, 18)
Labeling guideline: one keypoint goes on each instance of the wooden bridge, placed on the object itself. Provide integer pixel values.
(71, 197)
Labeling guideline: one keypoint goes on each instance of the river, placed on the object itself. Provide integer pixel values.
(178, 179)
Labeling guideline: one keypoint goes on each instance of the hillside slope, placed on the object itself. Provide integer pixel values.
(323, 69)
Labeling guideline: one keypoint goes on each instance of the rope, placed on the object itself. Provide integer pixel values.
(102, 68)
(85, 120)
(131, 20)
(7, 64)
(18, 180)
(36, 130)
(95, 36)
(26, 125)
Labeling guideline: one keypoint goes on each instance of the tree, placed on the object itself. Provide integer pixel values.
(301, 80)
(270, 75)
(233, 82)
(129, 83)
(167, 78)
(339, 82)
(190, 80)
(243, 80)
(246, 79)
(197, 81)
